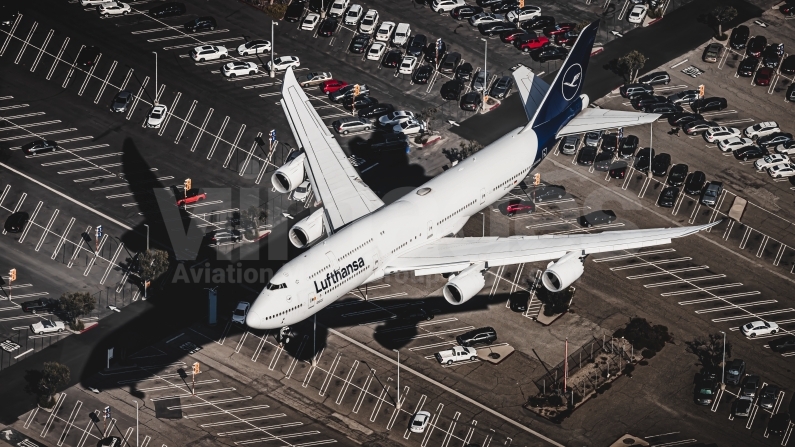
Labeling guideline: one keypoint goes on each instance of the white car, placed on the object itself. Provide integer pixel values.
(733, 143)
(408, 64)
(47, 326)
(240, 312)
(302, 191)
(284, 62)
(113, 9)
(233, 69)
(310, 21)
(257, 46)
(209, 53)
(485, 17)
(638, 13)
(385, 31)
(354, 15)
(338, 8)
(762, 129)
(409, 127)
(402, 33)
(92, 2)
(370, 20)
(441, 6)
(523, 14)
(786, 148)
(782, 170)
(376, 51)
(314, 78)
(457, 354)
(392, 119)
(156, 116)
(419, 422)
(768, 161)
(755, 328)
(714, 134)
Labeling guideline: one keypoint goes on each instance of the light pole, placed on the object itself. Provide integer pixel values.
(723, 373)
(136, 423)
(485, 71)
(273, 47)
(314, 337)
(155, 53)
(483, 224)
(397, 406)
(147, 237)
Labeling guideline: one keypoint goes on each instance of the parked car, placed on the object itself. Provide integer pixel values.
(310, 21)
(643, 159)
(168, 9)
(409, 127)
(761, 129)
(715, 134)
(660, 164)
(40, 305)
(295, 11)
(407, 64)
(456, 354)
(464, 72)
(518, 302)
(156, 116)
(568, 145)
(390, 120)
(778, 424)
(376, 111)
(668, 196)
(698, 126)
(603, 161)
(523, 14)
(665, 109)
(417, 45)
(88, 56)
(471, 101)
(559, 28)
(774, 139)
(683, 97)
(629, 145)
(376, 51)
(530, 43)
(510, 35)
(739, 37)
(387, 142)
(479, 81)
(354, 15)
(538, 23)
(788, 66)
(368, 23)
(587, 156)
(706, 389)
(656, 78)
(783, 344)
(756, 45)
(549, 192)
(790, 94)
(708, 104)
(346, 125)
(677, 175)
(711, 193)
(332, 85)
(112, 8)
(603, 217)
(592, 138)
(712, 52)
(449, 62)
(637, 13)
(735, 371)
(749, 153)
(734, 143)
(485, 17)
(618, 170)
(384, 33)
(549, 53)
(465, 12)
(750, 386)
(694, 183)
(338, 8)
(256, 46)
(190, 196)
(419, 422)
(358, 102)
(47, 327)
(359, 43)
(435, 53)
(768, 396)
(328, 27)
(771, 57)
(759, 327)
(484, 335)
(495, 28)
(643, 101)
(233, 69)
(209, 53)
(763, 76)
(423, 74)
(347, 91)
(240, 312)
(402, 34)
(451, 90)
(631, 90)
(519, 206)
(16, 222)
(771, 160)
(501, 88)
(782, 170)
(787, 148)
(742, 407)
(201, 24)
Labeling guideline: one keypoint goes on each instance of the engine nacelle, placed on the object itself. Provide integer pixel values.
(307, 230)
(289, 176)
(561, 273)
(462, 287)
(585, 101)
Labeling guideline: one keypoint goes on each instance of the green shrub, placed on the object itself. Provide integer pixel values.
(648, 353)
(644, 335)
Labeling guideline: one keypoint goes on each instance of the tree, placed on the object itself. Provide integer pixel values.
(630, 64)
(721, 15)
(253, 217)
(583, 24)
(428, 115)
(555, 302)
(53, 376)
(75, 305)
(644, 335)
(469, 147)
(151, 264)
(710, 350)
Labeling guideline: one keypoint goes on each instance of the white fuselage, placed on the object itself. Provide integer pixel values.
(359, 252)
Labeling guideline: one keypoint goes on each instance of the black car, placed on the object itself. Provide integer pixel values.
(392, 59)
(774, 139)
(471, 101)
(656, 78)
(464, 72)
(539, 23)
(628, 146)
(169, 9)
(618, 170)
(359, 43)
(39, 305)
(610, 142)
(40, 147)
(423, 74)
(779, 423)
(490, 29)
(201, 24)
(749, 153)
(504, 7)
(550, 192)
(549, 53)
(509, 35)
(748, 66)
(735, 371)
(449, 62)
(698, 126)
(668, 197)
(598, 218)
(639, 102)
(360, 102)
(756, 45)
(487, 3)
(790, 95)
(318, 5)
(664, 109)
(768, 396)
(518, 302)
(587, 156)
(771, 57)
(431, 53)
(121, 101)
(788, 66)
(110, 441)
(739, 37)
(682, 118)
(707, 387)
(16, 222)
(376, 110)
(465, 12)
(677, 175)
(477, 336)
(451, 90)
(417, 45)
(709, 104)
(88, 56)
(660, 164)
(643, 159)
(695, 182)
(347, 91)
(328, 27)
(783, 344)
(750, 386)
(388, 142)
(632, 91)
(502, 87)
(603, 161)
(295, 11)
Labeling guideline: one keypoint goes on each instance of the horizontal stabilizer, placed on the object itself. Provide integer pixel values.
(531, 88)
(601, 119)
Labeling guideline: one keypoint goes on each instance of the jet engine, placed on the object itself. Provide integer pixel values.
(463, 286)
(307, 230)
(289, 176)
(561, 273)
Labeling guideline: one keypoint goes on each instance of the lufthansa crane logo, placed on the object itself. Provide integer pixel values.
(571, 81)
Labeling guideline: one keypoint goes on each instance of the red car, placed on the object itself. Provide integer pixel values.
(531, 44)
(511, 35)
(567, 39)
(560, 28)
(763, 76)
(519, 207)
(787, 10)
(192, 196)
(332, 85)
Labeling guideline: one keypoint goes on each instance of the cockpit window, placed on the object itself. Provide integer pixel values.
(272, 286)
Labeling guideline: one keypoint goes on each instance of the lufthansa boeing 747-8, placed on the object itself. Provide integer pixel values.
(366, 240)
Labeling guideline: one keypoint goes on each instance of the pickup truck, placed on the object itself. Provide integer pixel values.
(457, 354)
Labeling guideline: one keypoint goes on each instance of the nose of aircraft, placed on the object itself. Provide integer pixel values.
(254, 321)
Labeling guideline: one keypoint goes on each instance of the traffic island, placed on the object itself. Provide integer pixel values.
(495, 354)
(490, 105)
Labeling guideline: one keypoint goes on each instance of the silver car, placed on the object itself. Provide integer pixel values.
(592, 138)
(569, 145)
(346, 125)
(685, 97)
(121, 101)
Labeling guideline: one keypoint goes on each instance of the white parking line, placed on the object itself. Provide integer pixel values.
(41, 50)
(183, 35)
(680, 281)
(28, 125)
(736, 306)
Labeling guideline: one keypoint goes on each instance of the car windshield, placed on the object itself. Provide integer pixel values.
(367, 21)
(418, 421)
(733, 371)
(239, 312)
(706, 391)
(156, 113)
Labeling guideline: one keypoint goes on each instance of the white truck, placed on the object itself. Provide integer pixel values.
(457, 354)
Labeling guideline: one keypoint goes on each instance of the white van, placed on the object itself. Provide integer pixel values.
(402, 34)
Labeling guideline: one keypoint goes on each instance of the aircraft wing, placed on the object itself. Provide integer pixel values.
(454, 254)
(601, 119)
(531, 88)
(334, 180)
